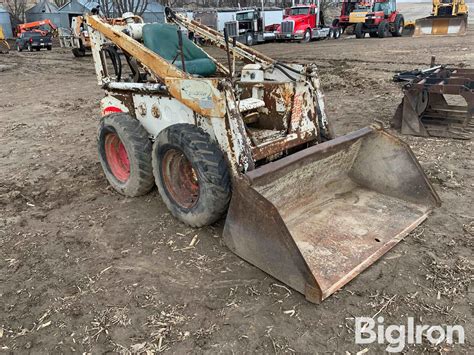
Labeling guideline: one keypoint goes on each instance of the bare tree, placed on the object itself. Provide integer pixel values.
(60, 3)
(17, 9)
(115, 8)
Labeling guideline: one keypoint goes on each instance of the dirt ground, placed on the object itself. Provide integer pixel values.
(85, 269)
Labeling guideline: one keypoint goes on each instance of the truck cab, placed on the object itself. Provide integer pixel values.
(249, 27)
(303, 22)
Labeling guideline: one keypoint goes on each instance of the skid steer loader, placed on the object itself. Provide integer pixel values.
(310, 209)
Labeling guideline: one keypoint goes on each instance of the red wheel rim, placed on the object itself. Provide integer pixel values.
(117, 157)
(180, 178)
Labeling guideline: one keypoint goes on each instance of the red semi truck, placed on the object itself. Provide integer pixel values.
(304, 23)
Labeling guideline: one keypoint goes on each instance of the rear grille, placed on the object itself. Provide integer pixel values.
(232, 28)
(287, 26)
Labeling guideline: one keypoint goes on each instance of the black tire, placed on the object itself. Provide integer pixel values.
(134, 138)
(78, 52)
(201, 196)
(49, 48)
(335, 22)
(398, 26)
(249, 39)
(307, 36)
(373, 34)
(18, 48)
(337, 33)
(382, 30)
(30, 48)
(38, 49)
(359, 30)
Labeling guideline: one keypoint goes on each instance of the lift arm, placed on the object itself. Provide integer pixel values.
(241, 51)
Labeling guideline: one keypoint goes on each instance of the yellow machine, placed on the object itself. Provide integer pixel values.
(448, 17)
(4, 46)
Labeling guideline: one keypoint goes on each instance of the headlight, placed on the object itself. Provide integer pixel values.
(299, 31)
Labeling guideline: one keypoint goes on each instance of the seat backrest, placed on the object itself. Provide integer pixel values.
(162, 39)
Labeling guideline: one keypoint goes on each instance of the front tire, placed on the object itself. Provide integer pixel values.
(125, 154)
(359, 30)
(249, 39)
(30, 48)
(307, 36)
(191, 174)
(382, 29)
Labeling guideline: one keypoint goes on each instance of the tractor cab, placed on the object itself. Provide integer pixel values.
(385, 7)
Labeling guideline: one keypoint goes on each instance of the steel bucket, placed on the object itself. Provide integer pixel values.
(441, 26)
(317, 218)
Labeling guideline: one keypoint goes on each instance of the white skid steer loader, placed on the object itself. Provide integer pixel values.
(310, 209)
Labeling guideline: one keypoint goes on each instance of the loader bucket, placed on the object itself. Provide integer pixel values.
(441, 26)
(317, 218)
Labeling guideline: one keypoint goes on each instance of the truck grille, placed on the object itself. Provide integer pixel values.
(232, 28)
(287, 26)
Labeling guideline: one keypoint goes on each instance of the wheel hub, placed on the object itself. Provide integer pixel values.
(117, 157)
(180, 178)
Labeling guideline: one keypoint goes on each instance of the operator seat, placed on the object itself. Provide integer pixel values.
(162, 38)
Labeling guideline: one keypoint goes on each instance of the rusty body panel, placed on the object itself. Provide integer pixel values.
(317, 218)
(425, 110)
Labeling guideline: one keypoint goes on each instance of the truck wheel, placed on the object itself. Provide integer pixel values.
(335, 22)
(359, 30)
(382, 30)
(373, 34)
(78, 52)
(18, 48)
(191, 174)
(125, 154)
(30, 48)
(49, 48)
(249, 39)
(307, 36)
(337, 33)
(398, 26)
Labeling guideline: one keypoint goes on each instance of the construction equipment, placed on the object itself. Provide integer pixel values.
(352, 13)
(310, 209)
(44, 27)
(384, 19)
(77, 37)
(429, 108)
(4, 46)
(448, 17)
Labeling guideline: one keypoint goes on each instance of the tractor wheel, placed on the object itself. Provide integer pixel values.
(191, 174)
(125, 154)
(398, 26)
(359, 30)
(382, 30)
(249, 39)
(307, 36)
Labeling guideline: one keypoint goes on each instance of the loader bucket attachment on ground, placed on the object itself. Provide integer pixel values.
(317, 218)
(441, 26)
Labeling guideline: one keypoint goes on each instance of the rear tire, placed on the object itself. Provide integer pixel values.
(125, 154)
(191, 174)
(359, 30)
(382, 30)
(398, 25)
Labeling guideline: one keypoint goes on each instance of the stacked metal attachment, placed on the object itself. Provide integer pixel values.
(438, 102)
